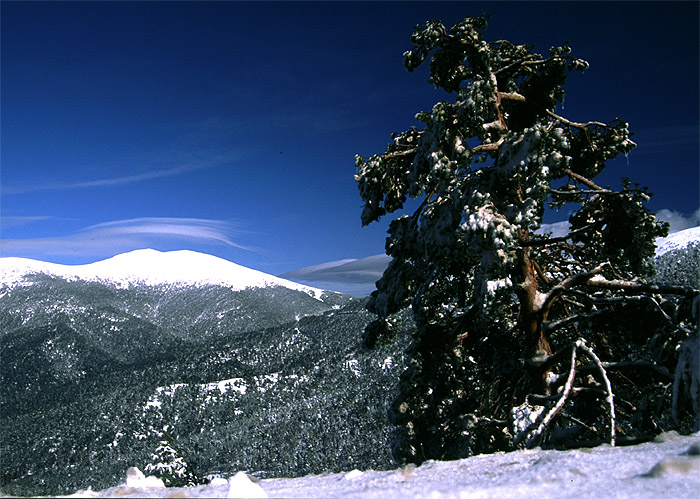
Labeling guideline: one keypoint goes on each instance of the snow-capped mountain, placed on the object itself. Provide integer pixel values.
(153, 268)
(110, 356)
(677, 240)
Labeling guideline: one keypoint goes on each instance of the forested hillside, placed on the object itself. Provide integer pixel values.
(190, 382)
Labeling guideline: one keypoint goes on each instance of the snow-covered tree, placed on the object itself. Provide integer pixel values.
(169, 465)
(494, 296)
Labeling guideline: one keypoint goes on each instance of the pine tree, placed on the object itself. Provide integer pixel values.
(169, 464)
(499, 306)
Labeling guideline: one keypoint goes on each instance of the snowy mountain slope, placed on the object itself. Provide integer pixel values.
(93, 366)
(677, 240)
(151, 267)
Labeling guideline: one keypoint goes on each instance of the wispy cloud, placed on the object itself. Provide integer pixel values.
(110, 238)
(7, 222)
(182, 228)
(104, 182)
(355, 277)
(205, 161)
(666, 137)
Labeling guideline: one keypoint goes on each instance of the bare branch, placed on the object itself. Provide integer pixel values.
(574, 280)
(609, 399)
(550, 326)
(559, 404)
(640, 288)
(511, 96)
(630, 364)
(584, 180)
(493, 146)
(573, 123)
(567, 388)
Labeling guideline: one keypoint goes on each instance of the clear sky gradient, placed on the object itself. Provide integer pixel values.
(231, 127)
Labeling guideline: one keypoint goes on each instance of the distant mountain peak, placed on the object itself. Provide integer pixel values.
(152, 267)
(677, 240)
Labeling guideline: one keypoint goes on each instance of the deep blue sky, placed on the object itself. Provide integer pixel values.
(231, 127)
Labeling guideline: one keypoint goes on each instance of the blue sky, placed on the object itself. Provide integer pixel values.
(231, 127)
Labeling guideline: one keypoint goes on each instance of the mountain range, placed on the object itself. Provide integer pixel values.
(232, 368)
(197, 367)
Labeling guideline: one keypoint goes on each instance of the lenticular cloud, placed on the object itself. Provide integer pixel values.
(177, 228)
(121, 236)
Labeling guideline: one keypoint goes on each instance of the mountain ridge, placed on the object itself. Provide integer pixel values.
(155, 268)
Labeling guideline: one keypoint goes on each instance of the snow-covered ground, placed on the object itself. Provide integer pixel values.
(666, 467)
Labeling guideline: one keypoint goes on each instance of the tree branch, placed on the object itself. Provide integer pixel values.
(593, 191)
(573, 123)
(516, 97)
(559, 404)
(550, 326)
(583, 180)
(567, 388)
(493, 146)
(609, 399)
(574, 280)
(639, 288)
(399, 154)
(511, 96)
(630, 364)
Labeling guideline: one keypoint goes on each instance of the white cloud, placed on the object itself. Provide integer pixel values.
(110, 238)
(678, 221)
(179, 228)
(355, 277)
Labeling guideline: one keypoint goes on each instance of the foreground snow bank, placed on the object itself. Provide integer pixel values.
(668, 466)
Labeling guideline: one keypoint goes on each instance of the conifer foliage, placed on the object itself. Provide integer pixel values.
(499, 305)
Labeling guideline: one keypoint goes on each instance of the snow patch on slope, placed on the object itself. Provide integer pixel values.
(677, 240)
(151, 267)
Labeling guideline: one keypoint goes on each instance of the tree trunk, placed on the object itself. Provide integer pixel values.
(530, 313)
